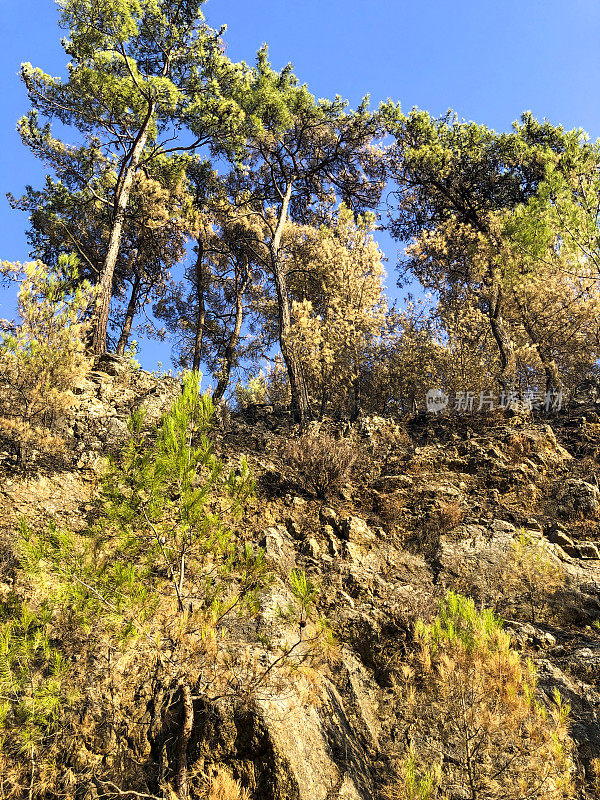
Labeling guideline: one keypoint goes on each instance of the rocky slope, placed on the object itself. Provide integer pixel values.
(433, 503)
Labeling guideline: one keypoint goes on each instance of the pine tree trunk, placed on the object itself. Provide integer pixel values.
(129, 315)
(508, 366)
(300, 403)
(98, 343)
(356, 390)
(234, 336)
(553, 380)
(200, 275)
(323, 403)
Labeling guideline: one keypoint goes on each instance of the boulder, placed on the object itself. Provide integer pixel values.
(329, 516)
(306, 738)
(355, 529)
(391, 483)
(311, 548)
(332, 540)
(575, 496)
(279, 548)
(587, 550)
(557, 536)
(500, 526)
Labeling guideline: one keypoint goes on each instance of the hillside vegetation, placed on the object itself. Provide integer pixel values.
(188, 608)
(364, 564)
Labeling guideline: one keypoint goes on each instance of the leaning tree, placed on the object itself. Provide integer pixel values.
(137, 69)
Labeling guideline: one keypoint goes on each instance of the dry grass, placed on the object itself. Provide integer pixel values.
(318, 463)
(390, 508)
(223, 787)
(518, 448)
(584, 529)
(448, 516)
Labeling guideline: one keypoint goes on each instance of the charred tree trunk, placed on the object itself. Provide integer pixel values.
(356, 390)
(323, 403)
(200, 276)
(508, 366)
(553, 380)
(234, 337)
(129, 315)
(124, 184)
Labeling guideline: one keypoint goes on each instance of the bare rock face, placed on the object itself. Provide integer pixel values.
(329, 517)
(106, 397)
(321, 744)
(588, 550)
(558, 536)
(354, 529)
(279, 548)
(575, 496)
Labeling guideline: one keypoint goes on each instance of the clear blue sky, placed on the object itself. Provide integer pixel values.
(489, 61)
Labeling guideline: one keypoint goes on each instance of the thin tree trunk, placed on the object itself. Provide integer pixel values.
(234, 336)
(98, 343)
(129, 315)
(181, 580)
(356, 399)
(300, 404)
(553, 380)
(200, 274)
(323, 403)
(181, 780)
(356, 393)
(500, 333)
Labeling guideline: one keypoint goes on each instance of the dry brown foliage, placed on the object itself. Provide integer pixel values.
(390, 508)
(448, 516)
(41, 359)
(223, 787)
(468, 689)
(529, 579)
(318, 463)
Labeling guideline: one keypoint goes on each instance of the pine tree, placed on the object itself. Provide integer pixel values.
(34, 689)
(161, 576)
(498, 739)
(136, 68)
(300, 153)
(491, 216)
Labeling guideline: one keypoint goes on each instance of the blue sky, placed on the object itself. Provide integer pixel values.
(489, 61)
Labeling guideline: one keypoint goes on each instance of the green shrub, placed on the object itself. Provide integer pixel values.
(34, 690)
